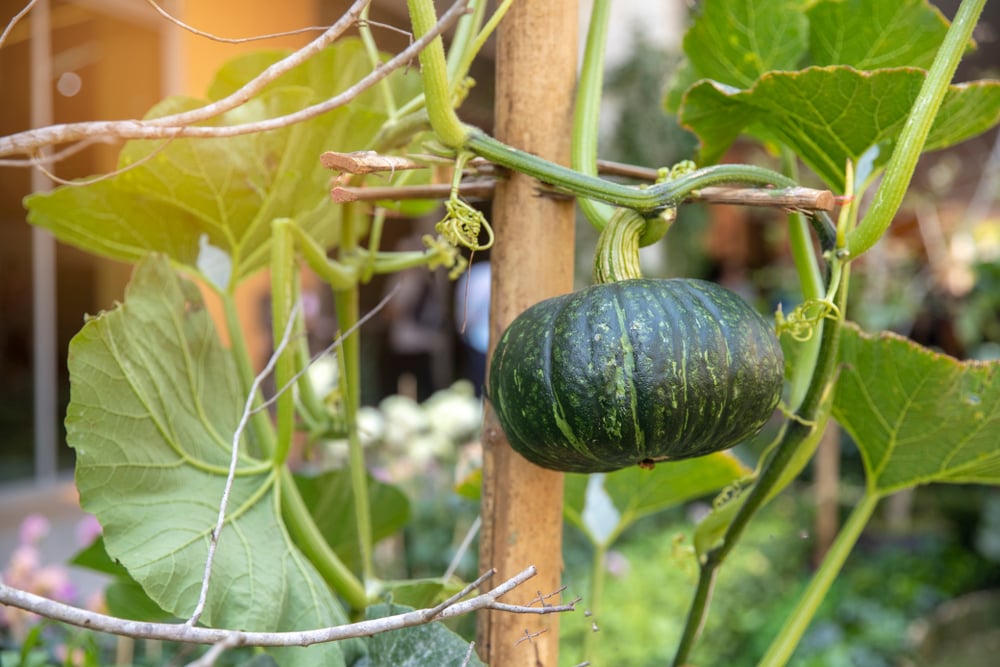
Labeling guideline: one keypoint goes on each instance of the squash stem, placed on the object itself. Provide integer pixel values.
(617, 253)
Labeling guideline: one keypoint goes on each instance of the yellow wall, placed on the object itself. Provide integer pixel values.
(237, 19)
(201, 57)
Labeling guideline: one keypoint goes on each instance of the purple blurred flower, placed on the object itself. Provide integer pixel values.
(88, 529)
(34, 528)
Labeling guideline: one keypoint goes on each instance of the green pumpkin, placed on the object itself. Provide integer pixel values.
(633, 372)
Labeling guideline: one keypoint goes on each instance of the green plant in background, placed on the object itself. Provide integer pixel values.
(165, 416)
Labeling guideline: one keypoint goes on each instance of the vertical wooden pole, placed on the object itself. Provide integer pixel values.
(532, 260)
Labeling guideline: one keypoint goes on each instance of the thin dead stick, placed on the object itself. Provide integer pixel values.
(482, 189)
(234, 458)
(15, 20)
(176, 125)
(51, 158)
(228, 40)
(367, 162)
(329, 348)
(181, 632)
(40, 166)
(806, 199)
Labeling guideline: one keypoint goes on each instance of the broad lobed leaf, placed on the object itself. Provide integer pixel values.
(916, 415)
(831, 114)
(417, 646)
(225, 190)
(866, 58)
(155, 400)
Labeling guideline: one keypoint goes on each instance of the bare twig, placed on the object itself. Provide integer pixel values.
(806, 199)
(182, 632)
(529, 636)
(468, 654)
(50, 158)
(179, 125)
(14, 21)
(367, 162)
(41, 161)
(211, 655)
(480, 189)
(463, 547)
(329, 348)
(234, 458)
(228, 40)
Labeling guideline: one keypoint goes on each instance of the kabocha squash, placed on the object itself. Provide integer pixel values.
(632, 372)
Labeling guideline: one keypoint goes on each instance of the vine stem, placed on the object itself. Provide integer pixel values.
(811, 284)
(456, 135)
(587, 111)
(904, 158)
(434, 74)
(798, 430)
(784, 644)
(314, 546)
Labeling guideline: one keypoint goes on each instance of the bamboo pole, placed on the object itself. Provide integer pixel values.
(532, 260)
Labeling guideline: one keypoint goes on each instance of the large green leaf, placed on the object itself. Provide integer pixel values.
(222, 194)
(853, 102)
(417, 646)
(875, 34)
(828, 115)
(155, 399)
(605, 504)
(918, 416)
(331, 503)
(735, 41)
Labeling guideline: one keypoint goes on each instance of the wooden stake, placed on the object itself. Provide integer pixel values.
(532, 260)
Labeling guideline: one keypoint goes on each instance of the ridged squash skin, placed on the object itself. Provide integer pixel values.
(633, 372)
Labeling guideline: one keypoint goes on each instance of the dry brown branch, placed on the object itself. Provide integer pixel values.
(806, 199)
(228, 40)
(181, 632)
(180, 125)
(367, 162)
(482, 189)
(15, 20)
